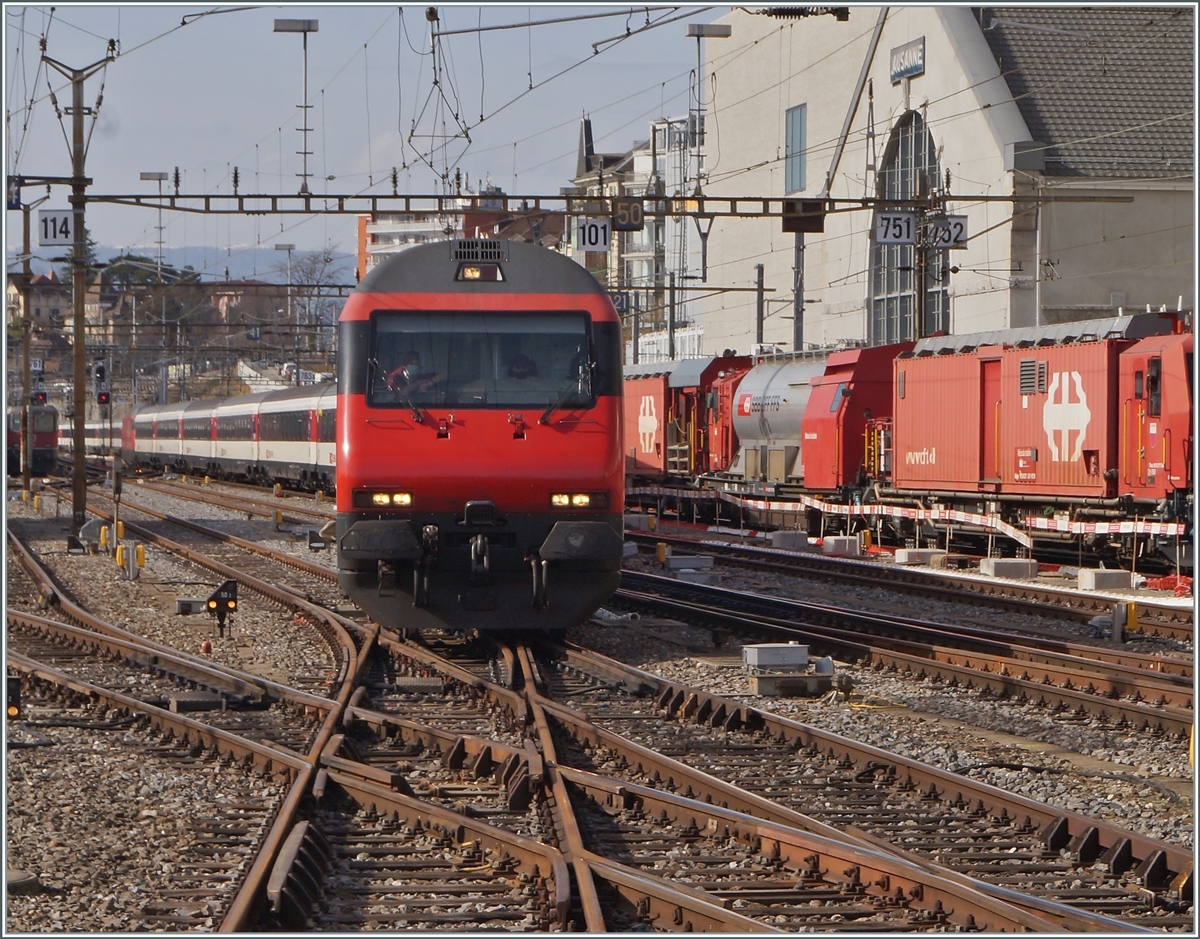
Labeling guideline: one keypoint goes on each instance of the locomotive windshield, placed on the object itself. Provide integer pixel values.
(480, 360)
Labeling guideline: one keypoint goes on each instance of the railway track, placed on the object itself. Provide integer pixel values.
(1153, 693)
(1153, 619)
(466, 784)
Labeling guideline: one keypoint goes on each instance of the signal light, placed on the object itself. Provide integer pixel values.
(102, 397)
(37, 397)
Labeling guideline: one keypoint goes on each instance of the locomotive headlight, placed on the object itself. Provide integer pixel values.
(579, 500)
(379, 499)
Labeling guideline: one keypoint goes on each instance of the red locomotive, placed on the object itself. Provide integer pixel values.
(479, 468)
(1082, 430)
(43, 436)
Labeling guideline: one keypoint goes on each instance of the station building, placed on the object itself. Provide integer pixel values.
(991, 116)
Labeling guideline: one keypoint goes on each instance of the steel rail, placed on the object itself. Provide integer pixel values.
(1007, 677)
(1021, 597)
(530, 853)
(886, 873)
(746, 812)
(79, 615)
(181, 666)
(252, 894)
(1034, 647)
(265, 758)
(1170, 864)
(238, 503)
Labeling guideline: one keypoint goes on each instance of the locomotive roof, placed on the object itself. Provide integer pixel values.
(1137, 326)
(431, 268)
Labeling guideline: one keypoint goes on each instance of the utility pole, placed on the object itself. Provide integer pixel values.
(671, 320)
(759, 303)
(26, 329)
(79, 271)
(798, 295)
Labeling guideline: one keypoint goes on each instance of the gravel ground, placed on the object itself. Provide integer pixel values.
(107, 827)
(263, 639)
(1140, 783)
(289, 538)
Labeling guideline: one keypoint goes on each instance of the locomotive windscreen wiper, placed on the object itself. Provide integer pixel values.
(401, 398)
(573, 387)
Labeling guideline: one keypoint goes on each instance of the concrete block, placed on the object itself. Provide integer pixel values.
(842, 544)
(927, 556)
(695, 562)
(1013, 568)
(693, 577)
(629, 550)
(1104, 580)
(777, 685)
(788, 540)
(637, 522)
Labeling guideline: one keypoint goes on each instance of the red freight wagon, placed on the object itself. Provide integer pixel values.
(941, 412)
(1156, 417)
(1036, 420)
(1056, 414)
(1058, 411)
(855, 389)
(667, 415)
(646, 405)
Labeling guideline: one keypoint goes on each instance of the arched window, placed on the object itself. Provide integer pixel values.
(909, 170)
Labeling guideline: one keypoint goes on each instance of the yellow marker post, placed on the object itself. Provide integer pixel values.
(104, 536)
(120, 530)
(120, 555)
(140, 555)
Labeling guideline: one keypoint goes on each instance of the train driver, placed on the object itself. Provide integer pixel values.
(408, 377)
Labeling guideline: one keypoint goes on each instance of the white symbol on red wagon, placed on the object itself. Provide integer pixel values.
(647, 424)
(1065, 417)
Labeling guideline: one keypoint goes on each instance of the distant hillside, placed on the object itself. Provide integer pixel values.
(262, 263)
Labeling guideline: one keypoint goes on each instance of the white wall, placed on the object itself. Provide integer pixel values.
(770, 65)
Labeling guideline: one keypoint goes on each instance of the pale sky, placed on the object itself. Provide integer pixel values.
(222, 91)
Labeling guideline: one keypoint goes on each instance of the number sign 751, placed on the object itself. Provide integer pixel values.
(895, 228)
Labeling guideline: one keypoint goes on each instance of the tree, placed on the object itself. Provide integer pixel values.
(67, 271)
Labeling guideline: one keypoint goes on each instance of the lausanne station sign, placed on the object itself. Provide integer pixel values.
(908, 60)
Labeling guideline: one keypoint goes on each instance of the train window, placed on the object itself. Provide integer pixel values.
(283, 425)
(900, 383)
(1137, 385)
(327, 426)
(842, 391)
(481, 360)
(1154, 387)
(197, 428)
(235, 427)
(44, 422)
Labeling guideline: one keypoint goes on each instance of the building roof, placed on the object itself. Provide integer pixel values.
(1108, 89)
